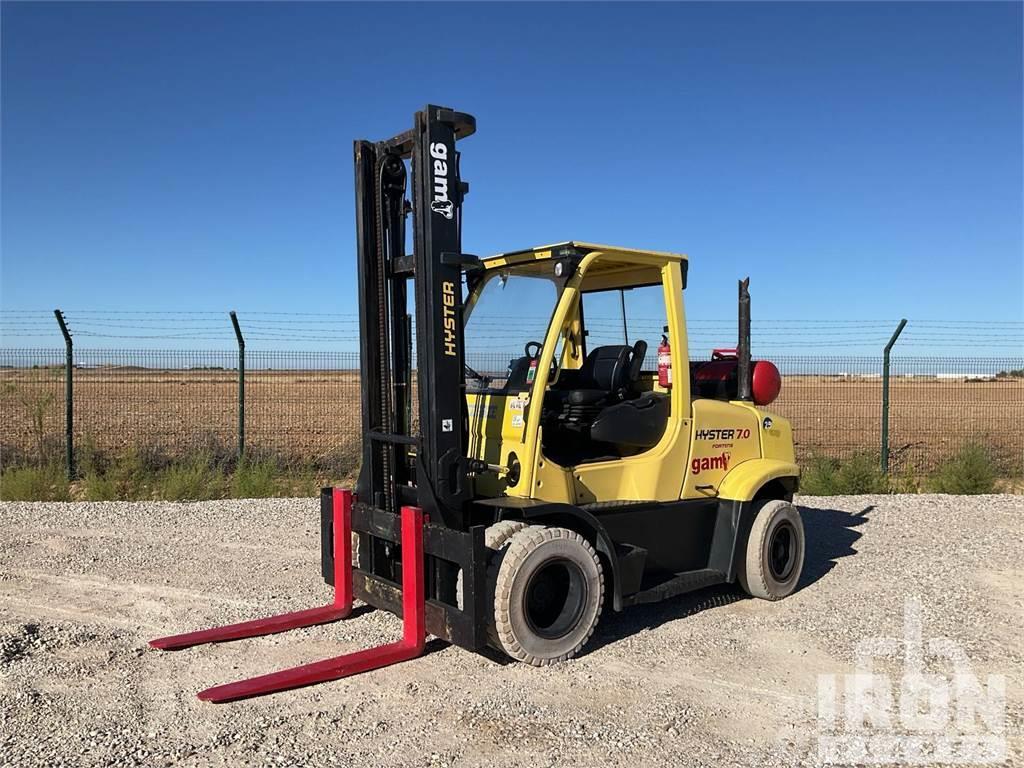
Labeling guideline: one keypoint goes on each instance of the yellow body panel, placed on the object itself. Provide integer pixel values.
(709, 448)
(777, 438)
(496, 431)
(743, 482)
(724, 435)
(552, 482)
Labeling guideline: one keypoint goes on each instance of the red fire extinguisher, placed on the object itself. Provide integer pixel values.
(665, 362)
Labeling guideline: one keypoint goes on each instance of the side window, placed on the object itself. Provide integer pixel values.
(645, 317)
(602, 319)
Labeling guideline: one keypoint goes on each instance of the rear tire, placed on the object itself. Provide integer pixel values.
(775, 551)
(548, 593)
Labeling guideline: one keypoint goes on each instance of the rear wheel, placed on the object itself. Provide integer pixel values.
(775, 551)
(548, 593)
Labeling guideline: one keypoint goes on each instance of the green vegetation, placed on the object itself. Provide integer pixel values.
(255, 479)
(1015, 373)
(198, 479)
(141, 474)
(860, 473)
(99, 488)
(46, 483)
(129, 477)
(970, 470)
(905, 480)
(211, 472)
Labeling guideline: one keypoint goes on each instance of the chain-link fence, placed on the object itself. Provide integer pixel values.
(161, 402)
(32, 415)
(303, 408)
(940, 403)
(834, 403)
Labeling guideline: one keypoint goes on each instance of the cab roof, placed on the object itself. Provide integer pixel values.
(555, 249)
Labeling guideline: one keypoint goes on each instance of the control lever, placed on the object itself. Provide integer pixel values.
(476, 466)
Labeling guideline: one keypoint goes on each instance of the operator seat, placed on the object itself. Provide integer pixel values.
(607, 371)
(608, 376)
(599, 411)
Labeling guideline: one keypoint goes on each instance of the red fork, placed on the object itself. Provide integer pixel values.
(413, 617)
(339, 609)
(410, 646)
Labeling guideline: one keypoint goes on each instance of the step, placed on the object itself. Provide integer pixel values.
(681, 583)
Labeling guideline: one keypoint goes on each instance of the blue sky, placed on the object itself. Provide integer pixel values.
(859, 161)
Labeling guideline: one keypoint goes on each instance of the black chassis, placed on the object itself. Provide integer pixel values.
(650, 551)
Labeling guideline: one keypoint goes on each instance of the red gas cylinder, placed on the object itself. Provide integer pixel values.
(717, 378)
(664, 363)
(767, 382)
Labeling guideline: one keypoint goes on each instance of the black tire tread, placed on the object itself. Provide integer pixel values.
(521, 545)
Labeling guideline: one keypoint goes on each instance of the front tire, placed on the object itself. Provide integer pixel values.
(774, 553)
(549, 589)
(496, 537)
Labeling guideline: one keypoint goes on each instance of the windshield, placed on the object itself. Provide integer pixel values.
(507, 317)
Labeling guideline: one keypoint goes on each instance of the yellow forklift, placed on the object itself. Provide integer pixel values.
(508, 509)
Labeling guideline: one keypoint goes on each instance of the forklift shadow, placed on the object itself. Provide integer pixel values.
(614, 627)
(830, 535)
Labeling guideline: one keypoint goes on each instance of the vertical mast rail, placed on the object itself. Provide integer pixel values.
(438, 192)
(441, 476)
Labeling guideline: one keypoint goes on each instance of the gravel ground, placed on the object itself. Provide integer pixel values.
(707, 679)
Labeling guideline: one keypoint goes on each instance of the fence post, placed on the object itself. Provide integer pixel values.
(69, 396)
(885, 394)
(241, 385)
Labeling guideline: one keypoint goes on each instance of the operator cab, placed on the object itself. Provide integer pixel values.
(600, 401)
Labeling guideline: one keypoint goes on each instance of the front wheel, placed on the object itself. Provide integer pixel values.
(548, 593)
(775, 551)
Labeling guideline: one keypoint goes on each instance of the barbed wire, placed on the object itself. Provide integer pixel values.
(313, 318)
(355, 316)
(486, 328)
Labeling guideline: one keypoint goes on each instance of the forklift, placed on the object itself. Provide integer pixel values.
(507, 511)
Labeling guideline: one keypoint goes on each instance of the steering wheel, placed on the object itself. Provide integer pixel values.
(529, 344)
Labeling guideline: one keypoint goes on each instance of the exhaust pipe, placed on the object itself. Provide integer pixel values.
(743, 374)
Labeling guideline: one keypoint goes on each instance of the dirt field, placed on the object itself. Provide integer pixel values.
(313, 416)
(711, 679)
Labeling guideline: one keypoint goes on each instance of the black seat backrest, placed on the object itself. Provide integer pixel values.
(605, 368)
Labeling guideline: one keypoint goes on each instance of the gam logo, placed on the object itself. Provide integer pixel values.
(707, 463)
(441, 204)
(444, 207)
